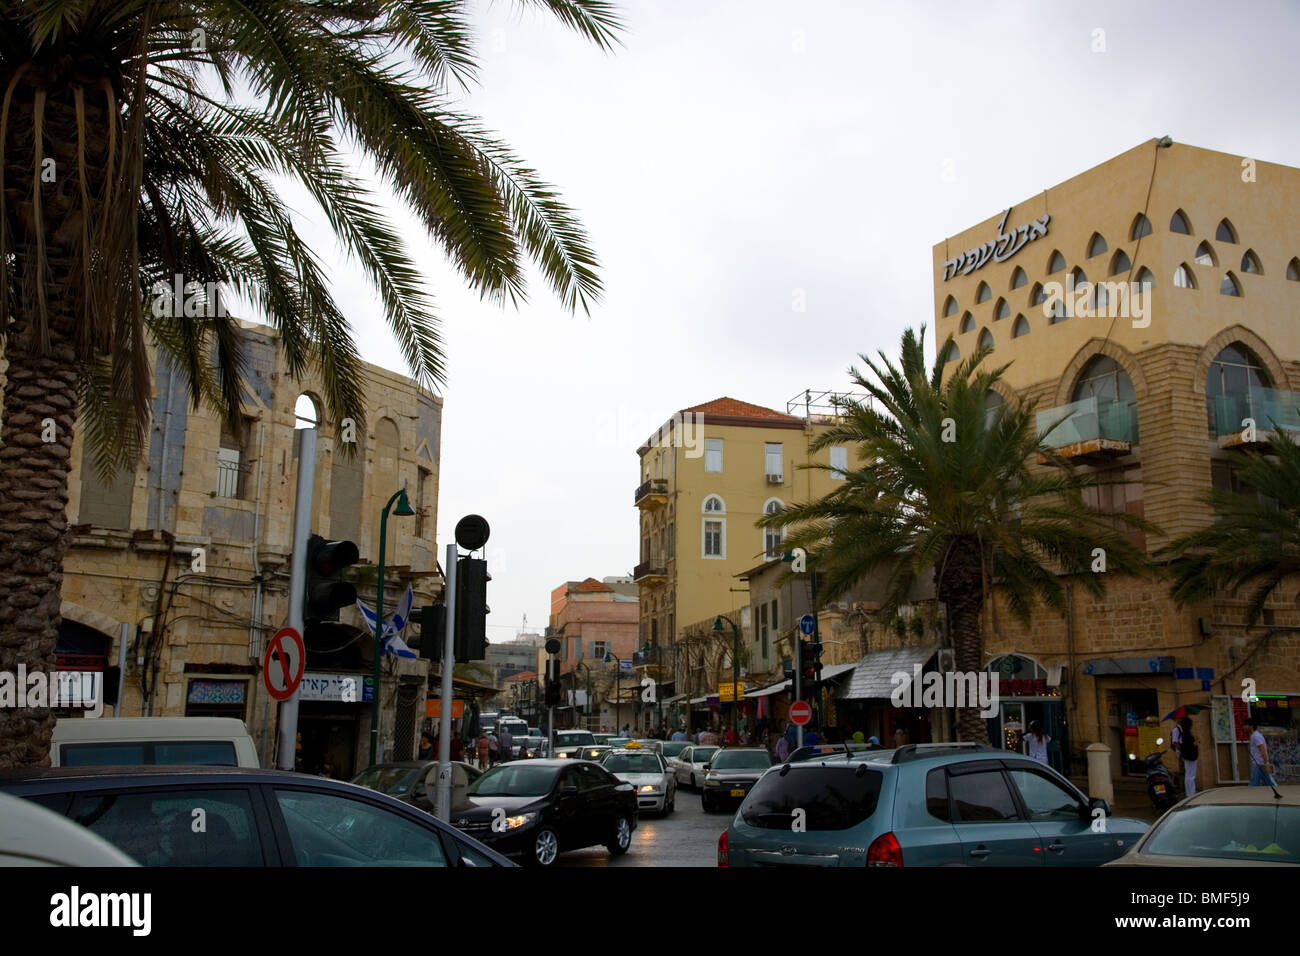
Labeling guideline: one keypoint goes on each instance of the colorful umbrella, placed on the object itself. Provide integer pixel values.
(1183, 711)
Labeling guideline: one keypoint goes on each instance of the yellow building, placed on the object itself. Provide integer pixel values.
(707, 476)
(1150, 302)
(188, 555)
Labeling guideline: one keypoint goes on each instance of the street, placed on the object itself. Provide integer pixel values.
(688, 837)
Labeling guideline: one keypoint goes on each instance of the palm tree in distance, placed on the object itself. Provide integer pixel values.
(1254, 541)
(140, 144)
(946, 486)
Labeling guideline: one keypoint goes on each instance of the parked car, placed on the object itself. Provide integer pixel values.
(1226, 826)
(31, 835)
(567, 742)
(656, 787)
(604, 738)
(414, 781)
(671, 749)
(518, 728)
(730, 773)
(145, 741)
(922, 805)
(250, 818)
(535, 744)
(595, 754)
(649, 743)
(690, 764)
(536, 809)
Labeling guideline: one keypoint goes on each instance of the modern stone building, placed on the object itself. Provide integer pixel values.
(1170, 340)
(188, 556)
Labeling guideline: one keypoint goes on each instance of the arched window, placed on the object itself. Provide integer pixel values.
(950, 307)
(1002, 310)
(1178, 223)
(1081, 287)
(1250, 263)
(1141, 227)
(967, 323)
(1096, 245)
(1230, 285)
(1105, 380)
(306, 412)
(713, 529)
(1056, 263)
(1183, 278)
(1120, 263)
(1205, 255)
(993, 399)
(1146, 279)
(1019, 327)
(1225, 232)
(1037, 296)
(983, 293)
(985, 339)
(1293, 270)
(1018, 278)
(952, 354)
(1233, 390)
(773, 538)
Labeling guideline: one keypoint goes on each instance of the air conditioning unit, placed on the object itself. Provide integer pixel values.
(775, 479)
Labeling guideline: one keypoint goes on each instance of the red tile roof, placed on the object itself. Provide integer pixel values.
(591, 585)
(526, 675)
(734, 408)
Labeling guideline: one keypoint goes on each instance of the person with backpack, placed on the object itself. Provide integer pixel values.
(1189, 751)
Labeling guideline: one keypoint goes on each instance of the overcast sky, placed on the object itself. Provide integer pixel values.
(732, 154)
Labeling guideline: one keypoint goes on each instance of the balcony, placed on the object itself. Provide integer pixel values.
(651, 571)
(1090, 429)
(1247, 417)
(652, 494)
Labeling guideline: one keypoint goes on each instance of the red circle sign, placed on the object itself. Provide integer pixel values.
(283, 663)
(801, 712)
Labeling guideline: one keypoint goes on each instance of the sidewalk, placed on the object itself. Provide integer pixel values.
(1131, 798)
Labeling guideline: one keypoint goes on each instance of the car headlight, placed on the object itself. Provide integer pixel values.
(647, 788)
(710, 782)
(522, 820)
(563, 755)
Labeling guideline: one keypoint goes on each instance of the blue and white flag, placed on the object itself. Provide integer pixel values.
(391, 642)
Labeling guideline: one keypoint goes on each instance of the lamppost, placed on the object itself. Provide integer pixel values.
(403, 509)
(618, 675)
(735, 664)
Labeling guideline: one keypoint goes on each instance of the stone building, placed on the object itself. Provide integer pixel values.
(1148, 306)
(187, 557)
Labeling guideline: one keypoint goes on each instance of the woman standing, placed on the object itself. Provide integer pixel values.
(1189, 751)
(1037, 741)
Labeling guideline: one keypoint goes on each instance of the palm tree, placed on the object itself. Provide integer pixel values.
(141, 144)
(946, 486)
(1254, 540)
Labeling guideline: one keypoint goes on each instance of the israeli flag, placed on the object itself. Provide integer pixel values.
(390, 642)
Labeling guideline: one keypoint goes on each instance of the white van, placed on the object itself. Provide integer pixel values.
(143, 741)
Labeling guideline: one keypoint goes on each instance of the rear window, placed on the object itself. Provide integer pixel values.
(832, 798)
(202, 753)
(1250, 834)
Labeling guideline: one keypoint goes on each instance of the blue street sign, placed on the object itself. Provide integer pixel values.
(625, 665)
(806, 624)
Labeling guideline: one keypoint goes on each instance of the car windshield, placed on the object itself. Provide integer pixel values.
(742, 760)
(394, 781)
(632, 763)
(673, 748)
(514, 780)
(573, 738)
(1252, 833)
(702, 754)
(820, 798)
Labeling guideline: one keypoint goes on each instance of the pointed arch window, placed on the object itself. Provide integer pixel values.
(952, 353)
(1225, 232)
(985, 340)
(1037, 296)
(1230, 285)
(1183, 278)
(1205, 255)
(1019, 327)
(1179, 223)
(1018, 278)
(983, 293)
(1293, 270)
(967, 323)
(950, 307)
(1105, 380)
(1141, 227)
(1234, 390)
(1002, 310)
(1146, 279)
(1056, 263)
(1250, 263)
(1120, 262)
(1096, 245)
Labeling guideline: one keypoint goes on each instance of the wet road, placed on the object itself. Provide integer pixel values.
(689, 837)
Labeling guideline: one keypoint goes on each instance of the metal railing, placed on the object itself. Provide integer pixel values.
(656, 486)
(653, 567)
(1266, 408)
(1087, 420)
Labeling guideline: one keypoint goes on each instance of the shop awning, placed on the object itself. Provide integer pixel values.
(767, 691)
(838, 670)
(872, 676)
(674, 699)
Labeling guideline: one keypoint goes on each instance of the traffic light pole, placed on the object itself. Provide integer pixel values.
(448, 663)
(298, 585)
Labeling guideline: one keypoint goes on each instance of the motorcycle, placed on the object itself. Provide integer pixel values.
(1161, 787)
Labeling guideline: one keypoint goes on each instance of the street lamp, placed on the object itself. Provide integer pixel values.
(735, 663)
(404, 509)
(618, 675)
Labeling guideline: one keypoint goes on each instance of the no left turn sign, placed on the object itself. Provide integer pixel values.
(283, 663)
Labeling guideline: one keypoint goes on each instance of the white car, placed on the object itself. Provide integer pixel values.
(31, 835)
(690, 771)
(656, 787)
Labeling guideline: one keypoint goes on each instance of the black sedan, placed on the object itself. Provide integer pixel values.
(537, 809)
(730, 774)
(413, 781)
(249, 818)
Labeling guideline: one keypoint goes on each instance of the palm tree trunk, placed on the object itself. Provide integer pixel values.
(40, 403)
(962, 591)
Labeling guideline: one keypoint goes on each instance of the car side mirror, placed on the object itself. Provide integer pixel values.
(708, 766)
(1094, 803)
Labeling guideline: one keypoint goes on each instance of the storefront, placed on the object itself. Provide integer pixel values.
(330, 709)
(1029, 692)
(866, 702)
(1278, 717)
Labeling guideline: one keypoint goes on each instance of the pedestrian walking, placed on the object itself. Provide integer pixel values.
(484, 749)
(494, 748)
(426, 747)
(507, 744)
(783, 749)
(1187, 749)
(1261, 770)
(679, 734)
(1037, 741)
(457, 748)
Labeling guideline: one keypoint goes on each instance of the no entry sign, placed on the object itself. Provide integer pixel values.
(800, 712)
(283, 663)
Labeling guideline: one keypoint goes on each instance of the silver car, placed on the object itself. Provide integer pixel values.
(656, 787)
(690, 771)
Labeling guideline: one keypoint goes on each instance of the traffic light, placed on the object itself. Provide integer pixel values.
(433, 628)
(471, 609)
(325, 590)
(552, 682)
(813, 654)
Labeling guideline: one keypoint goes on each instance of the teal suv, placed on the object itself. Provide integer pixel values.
(922, 805)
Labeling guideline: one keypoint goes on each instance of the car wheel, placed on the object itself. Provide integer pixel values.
(704, 802)
(692, 775)
(668, 807)
(546, 847)
(621, 838)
